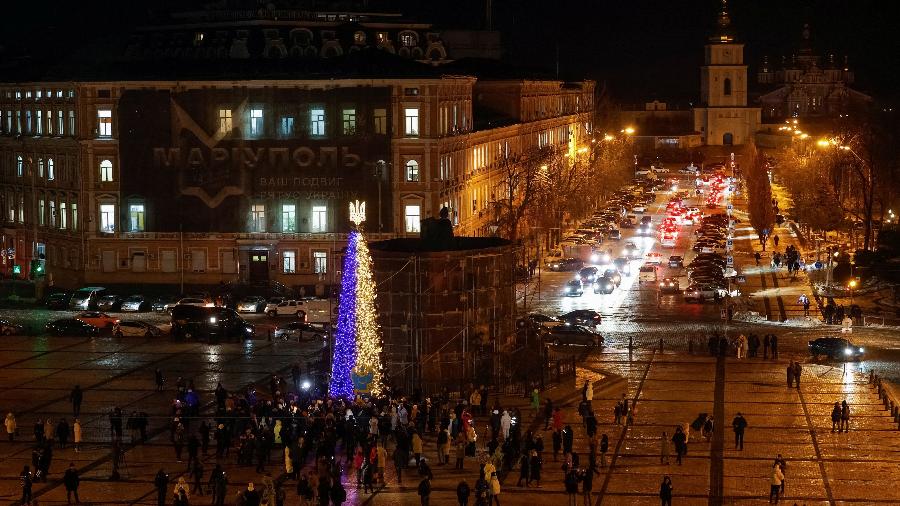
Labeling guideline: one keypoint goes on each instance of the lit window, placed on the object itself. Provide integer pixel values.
(59, 122)
(63, 216)
(289, 262)
(413, 218)
(71, 123)
(382, 38)
(349, 121)
(106, 171)
(288, 218)
(18, 121)
(412, 121)
(39, 123)
(287, 126)
(317, 122)
(49, 122)
(41, 212)
(21, 209)
(74, 216)
(104, 123)
(319, 221)
(136, 217)
(412, 171)
(28, 122)
(50, 172)
(107, 218)
(225, 122)
(256, 121)
(359, 38)
(20, 166)
(52, 213)
(320, 262)
(59, 94)
(258, 218)
(41, 168)
(380, 119)
(9, 123)
(408, 39)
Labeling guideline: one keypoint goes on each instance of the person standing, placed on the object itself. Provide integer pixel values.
(845, 416)
(587, 484)
(604, 447)
(680, 441)
(495, 488)
(779, 460)
(536, 465)
(797, 370)
(425, 490)
(835, 416)
(27, 480)
(462, 493)
(162, 485)
(11, 426)
(665, 491)
(218, 485)
(76, 396)
(197, 475)
(76, 431)
(775, 489)
(773, 342)
(790, 374)
(557, 443)
(535, 401)
(664, 449)
(739, 424)
(71, 481)
(548, 414)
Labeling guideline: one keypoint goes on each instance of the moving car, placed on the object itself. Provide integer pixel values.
(563, 334)
(676, 262)
(604, 285)
(698, 292)
(566, 264)
(835, 348)
(8, 328)
(109, 303)
(252, 304)
(192, 301)
(300, 331)
(647, 274)
(86, 298)
(631, 251)
(669, 285)
(588, 275)
(97, 319)
(654, 258)
(135, 303)
(614, 235)
(585, 317)
(212, 324)
(573, 288)
(134, 328)
(59, 301)
(72, 327)
(614, 276)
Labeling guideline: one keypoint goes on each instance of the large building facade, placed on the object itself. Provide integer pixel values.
(142, 177)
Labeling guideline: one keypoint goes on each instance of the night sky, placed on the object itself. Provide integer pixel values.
(640, 48)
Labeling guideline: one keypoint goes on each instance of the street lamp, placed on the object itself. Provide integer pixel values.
(851, 285)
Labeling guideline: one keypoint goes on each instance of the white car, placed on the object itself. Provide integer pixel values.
(661, 170)
(308, 310)
(135, 329)
(300, 331)
(193, 301)
(654, 258)
(640, 208)
(642, 172)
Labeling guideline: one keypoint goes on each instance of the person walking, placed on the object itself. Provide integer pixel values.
(462, 493)
(790, 375)
(524, 469)
(773, 343)
(76, 432)
(665, 491)
(27, 480)
(739, 424)
(548, 414)
(570, 481)
(161, 482)
(535, 401)
(798, 369)
(604, 447)
(76, 396)
(197, 475)
(460, 452)
(536, 466)
(664, 449)
(71, 481)
(218, 484)
(680, 441)
(845, 416)
(775, 488)
(424, 490)
(159, 380)
(495, 489)
(779, 460)
(835, 415)
(587, 484)
(775, 240)
(11, 426)
(557, 443)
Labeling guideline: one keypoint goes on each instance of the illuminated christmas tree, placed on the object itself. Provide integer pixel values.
(356, 365)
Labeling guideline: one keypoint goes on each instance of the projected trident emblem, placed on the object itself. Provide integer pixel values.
(357, 212)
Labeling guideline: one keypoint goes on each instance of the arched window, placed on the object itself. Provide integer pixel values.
(50, 172)
(727, 87)
(412, 171)
(40, 167)
(106, 171)
(20, 166)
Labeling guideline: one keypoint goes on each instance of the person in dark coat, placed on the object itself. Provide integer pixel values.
(76, 397)
(62, 433)
(680, 442)
(71, 481)
(797, 370)
(835, 416)
(790, 375)
(462, 493)
(739, 424)
(161, 482)
(665, 491)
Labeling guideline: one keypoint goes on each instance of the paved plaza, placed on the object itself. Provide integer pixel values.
(669, 388)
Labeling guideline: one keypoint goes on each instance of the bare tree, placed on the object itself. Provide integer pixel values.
(759, 197)
(517, 188)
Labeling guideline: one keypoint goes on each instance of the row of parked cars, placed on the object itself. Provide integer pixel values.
(707, 271)
(578, 327)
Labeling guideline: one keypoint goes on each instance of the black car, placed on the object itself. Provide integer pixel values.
(573, 288)
(604, 285)
(212, 324)
(566, 264)
(588, 275)
(72, 327)
(564, 334)
(586, 317)
(534, 320)
(835, 348)
(614, 276)
(59, 301)
(676, 262)
(109, 303)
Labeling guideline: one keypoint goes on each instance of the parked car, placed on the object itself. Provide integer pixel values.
(191, 301)
(835, 348)
(647, 273)
(585, 317)
(574, 288)
(8, 328)
(566, 264)
(109, 303)
(212, 324)
(676, 262)
(97, 319)
(563, 334)
(72, 327)
(252, 304)
(534, 320)
(86, 298)
(134, 328)
(135, 303)
(301, 331)
(654, 258)
(59, 301)
(164, 303)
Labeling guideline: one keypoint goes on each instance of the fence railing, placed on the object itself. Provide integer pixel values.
(888, 394)
(880, 321)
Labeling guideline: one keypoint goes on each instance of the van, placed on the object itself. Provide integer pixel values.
(647, 274)
(211, 324)
(86, 298)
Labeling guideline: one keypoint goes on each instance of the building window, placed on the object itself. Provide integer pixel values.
(286, 126)
(52, 213)
(74, 216)
(288, 218)
(256, 122)
(319, 222)
(380, 119)
(107, 218)
(317, 122)
(289, 262)
(726, 85)
(412, 171)
(381, 37)
(348, 121)
(258, 218)
(49, 122)
(136, 217)
(408, 39)
(359, 38)
(51, 175)
(41, 212)
(412, 121)
(225, 121)
(60, 122)
(104, 123)
(21, 209)
(19, 122)
(320, 262)
(106, 174)
(28, 129)
(9, 123)
(71, 123)
(41, 168)
(20, 166)
(39, 123)
(413, 218)
(63, 216)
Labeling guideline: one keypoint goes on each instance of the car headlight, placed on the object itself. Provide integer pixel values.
(609, 287)
(848, 351)
(861, 350)
(595, 258)
(249, 329)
